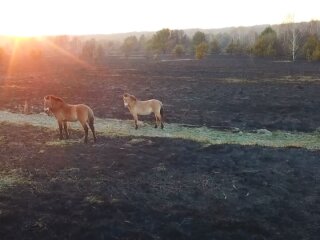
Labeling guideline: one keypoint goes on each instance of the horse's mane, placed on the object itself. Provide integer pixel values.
(133, 98)
(55, 98)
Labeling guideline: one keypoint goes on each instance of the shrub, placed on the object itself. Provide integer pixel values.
(129, 45)
(214, 46)
(316, 53)
(310, 47)
(201, 50)
(178, 50)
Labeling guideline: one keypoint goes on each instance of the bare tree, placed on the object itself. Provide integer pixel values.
(295, 40)
(293, 36)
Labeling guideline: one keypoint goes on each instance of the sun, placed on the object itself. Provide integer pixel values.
(28, 18)
(31, 27)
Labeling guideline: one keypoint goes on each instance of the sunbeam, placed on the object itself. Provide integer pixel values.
(12, 57)
(69, 55)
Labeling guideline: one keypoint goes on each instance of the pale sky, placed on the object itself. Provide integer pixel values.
(49, 17)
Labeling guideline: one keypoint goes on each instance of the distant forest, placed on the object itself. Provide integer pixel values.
(290, 41)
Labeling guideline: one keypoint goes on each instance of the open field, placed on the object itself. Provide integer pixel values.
(222, 91)
(238, 158)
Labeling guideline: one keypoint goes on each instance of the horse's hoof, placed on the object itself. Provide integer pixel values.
(156, 126)
(136, 127)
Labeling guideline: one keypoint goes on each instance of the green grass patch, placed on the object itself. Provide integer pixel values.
(277, 139)
(118, 128)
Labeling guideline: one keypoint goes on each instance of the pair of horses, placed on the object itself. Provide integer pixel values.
(65, 112)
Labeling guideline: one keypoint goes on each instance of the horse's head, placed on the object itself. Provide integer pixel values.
(128, 99)
(47, 104)
(51, 103)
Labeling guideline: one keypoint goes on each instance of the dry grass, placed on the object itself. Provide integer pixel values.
(11, 179)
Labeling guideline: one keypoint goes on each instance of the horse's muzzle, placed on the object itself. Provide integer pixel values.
(47, 111)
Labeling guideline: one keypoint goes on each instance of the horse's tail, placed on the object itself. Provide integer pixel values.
(161, 113)
(91, 123)
(90, 117)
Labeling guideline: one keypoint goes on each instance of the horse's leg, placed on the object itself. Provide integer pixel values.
(159, 118)
(92, 130)
(60, 130)
(162, 126)
(65, 126)
(155, 115)
(85, 127)
(135, 117)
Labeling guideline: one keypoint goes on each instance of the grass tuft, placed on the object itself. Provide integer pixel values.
(11, 179)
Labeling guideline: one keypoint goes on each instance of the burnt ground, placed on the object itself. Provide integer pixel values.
(162, 188)
(155, 189)
(220, 91)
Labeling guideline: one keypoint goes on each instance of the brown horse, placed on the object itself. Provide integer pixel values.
(137, 107)
(70, 113)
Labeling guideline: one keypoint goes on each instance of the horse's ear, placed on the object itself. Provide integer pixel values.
(125, 95)
(47, 97)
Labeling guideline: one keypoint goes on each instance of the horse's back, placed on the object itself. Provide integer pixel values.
(156, 104)
(148, 106)
(83, 109)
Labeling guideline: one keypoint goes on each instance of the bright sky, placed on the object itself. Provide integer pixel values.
(49, 17)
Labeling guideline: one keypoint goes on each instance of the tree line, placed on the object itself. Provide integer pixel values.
(286, 41)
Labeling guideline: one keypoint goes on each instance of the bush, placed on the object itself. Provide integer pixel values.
(215, 47)
(178, 50)
(316, 53)
(130, 44)
(310, 47)
(201, 50)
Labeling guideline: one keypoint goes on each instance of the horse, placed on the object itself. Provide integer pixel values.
(65, 112)
(137, 107)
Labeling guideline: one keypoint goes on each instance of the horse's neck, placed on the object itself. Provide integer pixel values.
(62, 106)
(130, 106)
(133, 104)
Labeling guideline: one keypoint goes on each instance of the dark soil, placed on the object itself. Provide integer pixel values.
(158, 188)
